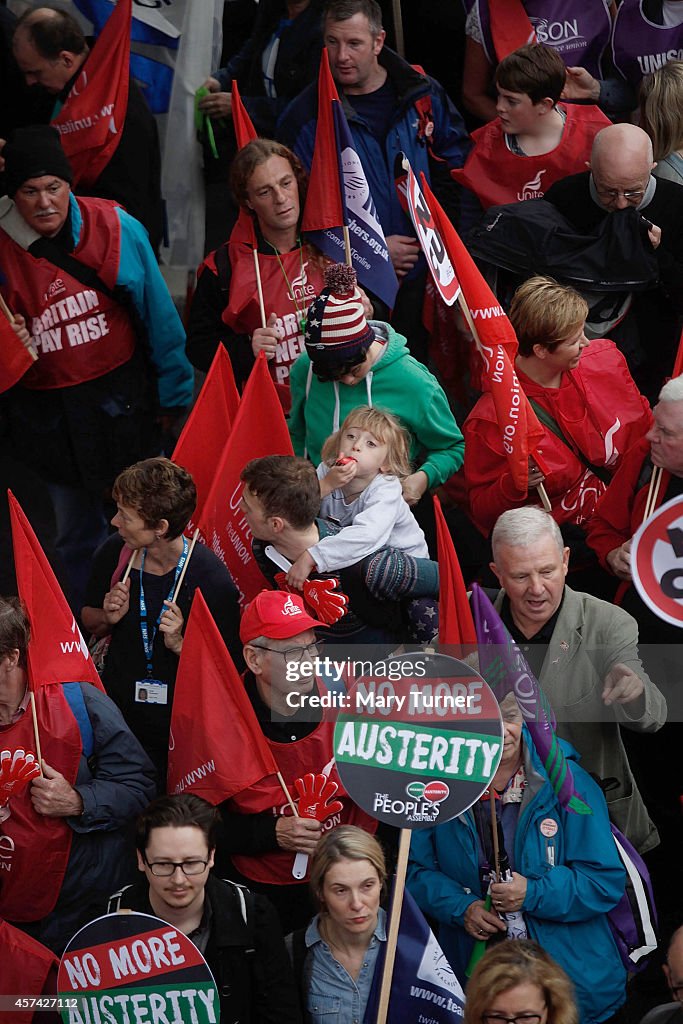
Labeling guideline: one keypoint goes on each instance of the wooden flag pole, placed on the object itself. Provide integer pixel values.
(540, 488)
(288, 795)
(128, 567)
(347, 246)
(653, 492)
(494, 832)
(398, 28)
(394, 923)
(195, 537)
(36, 735)
(259, 288)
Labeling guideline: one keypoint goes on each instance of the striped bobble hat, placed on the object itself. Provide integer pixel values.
(336, 329)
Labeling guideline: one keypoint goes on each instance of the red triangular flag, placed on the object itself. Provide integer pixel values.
(26, 966)
(208, 694)
(510, 26)
(259, 429)
(91, 120)
(57, 652)
(15, 358)
(324, 207)
(204, 436)
(520, 429)
(456, 625)
(242, 123)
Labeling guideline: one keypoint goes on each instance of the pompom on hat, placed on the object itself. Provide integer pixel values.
(336, 329)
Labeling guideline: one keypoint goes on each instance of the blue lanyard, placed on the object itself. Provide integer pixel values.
(146, 642)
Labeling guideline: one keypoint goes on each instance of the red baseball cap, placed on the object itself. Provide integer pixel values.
(277, 615)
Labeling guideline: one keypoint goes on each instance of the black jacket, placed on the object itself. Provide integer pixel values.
(248, 960)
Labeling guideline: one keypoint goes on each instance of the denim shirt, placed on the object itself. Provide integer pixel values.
(333, 997)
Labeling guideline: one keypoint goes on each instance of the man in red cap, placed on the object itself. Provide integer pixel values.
(263, 837)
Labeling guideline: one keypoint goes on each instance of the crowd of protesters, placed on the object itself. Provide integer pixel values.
(556, 152)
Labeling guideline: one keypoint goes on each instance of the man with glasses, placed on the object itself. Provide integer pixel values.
(262, 835)
(620, 178)
(237, 933)
(671, 1013)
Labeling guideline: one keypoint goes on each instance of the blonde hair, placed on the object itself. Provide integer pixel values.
(520, 962)
(385, 427)
(661, 108)
(544, 312)
(347, 842)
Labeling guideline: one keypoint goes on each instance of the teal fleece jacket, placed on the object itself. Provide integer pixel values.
(397, 383)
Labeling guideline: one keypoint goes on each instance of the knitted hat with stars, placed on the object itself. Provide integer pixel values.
(336, 329)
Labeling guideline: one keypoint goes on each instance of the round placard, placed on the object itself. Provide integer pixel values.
(422, 748)
(657, 562)
(128, 967)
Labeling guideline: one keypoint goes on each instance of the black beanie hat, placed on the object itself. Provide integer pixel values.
(32, 153)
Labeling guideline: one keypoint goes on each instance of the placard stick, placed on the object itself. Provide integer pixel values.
(10, 316)
(195, 535)
(259, 288)
(653, 492)
(288, 796)
(35, 731)
(128, 567)
(347, 246)
(398, 28)
(540, 488)
(494, 832)
(394, 923)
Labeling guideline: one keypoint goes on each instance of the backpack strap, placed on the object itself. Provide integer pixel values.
(222, 261)
(76, 701)
(553, 426)
(114, 904)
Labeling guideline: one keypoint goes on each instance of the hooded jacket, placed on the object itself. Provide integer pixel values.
(574, 878)
(397, 383)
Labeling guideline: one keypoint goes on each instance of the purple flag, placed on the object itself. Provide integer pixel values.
(505, 669)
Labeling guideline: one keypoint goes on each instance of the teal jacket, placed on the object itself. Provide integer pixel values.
(396, 383)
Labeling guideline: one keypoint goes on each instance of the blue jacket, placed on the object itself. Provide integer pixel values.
(449, 139)
(139, 274)
(566, 904)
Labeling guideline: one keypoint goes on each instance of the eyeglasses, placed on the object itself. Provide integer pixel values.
(612, 194)
(166, 868)
(503, 1018)
(292, 653)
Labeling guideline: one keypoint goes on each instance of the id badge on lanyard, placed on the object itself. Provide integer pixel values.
(150, 690)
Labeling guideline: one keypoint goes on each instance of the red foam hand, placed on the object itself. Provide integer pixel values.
(327, 601)
(17, 768)
(282, 584)
(315, 797)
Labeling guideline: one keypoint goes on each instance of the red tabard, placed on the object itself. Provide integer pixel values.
(80, 333)
(24, 966)
(34, 849)
(311, 754)
(243, 314)
(497, 176)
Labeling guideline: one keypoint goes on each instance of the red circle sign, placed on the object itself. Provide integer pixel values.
(657, 562)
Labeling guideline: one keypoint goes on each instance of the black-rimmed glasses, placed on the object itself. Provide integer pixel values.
(166, 868)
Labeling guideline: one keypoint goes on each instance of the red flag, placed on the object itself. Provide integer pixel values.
(324, 207)
(242, 123)
(678, 362)
(208, 694)
(520, 429)
(91, 120)
(26, 967)
(15, 358)
(456, 625)
(201, 442)
(510, 26)
(259, 429)
(57, 652)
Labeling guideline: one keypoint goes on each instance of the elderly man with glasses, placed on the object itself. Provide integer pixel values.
(620, 178)
(269, 844)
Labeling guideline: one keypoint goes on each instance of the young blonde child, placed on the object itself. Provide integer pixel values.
(360, 484)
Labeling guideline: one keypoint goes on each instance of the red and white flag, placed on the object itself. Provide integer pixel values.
(57, 652)
(91, 120)
(208, 694)
(259, 429)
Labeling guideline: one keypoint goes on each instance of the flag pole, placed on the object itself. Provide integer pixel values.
(347, 246)
(288, 796)
(195, 536)
(35, 731)
(653, 492)
(394, 924)
(128, 567)
(540, 488)
(259, 287)
(398, 28)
